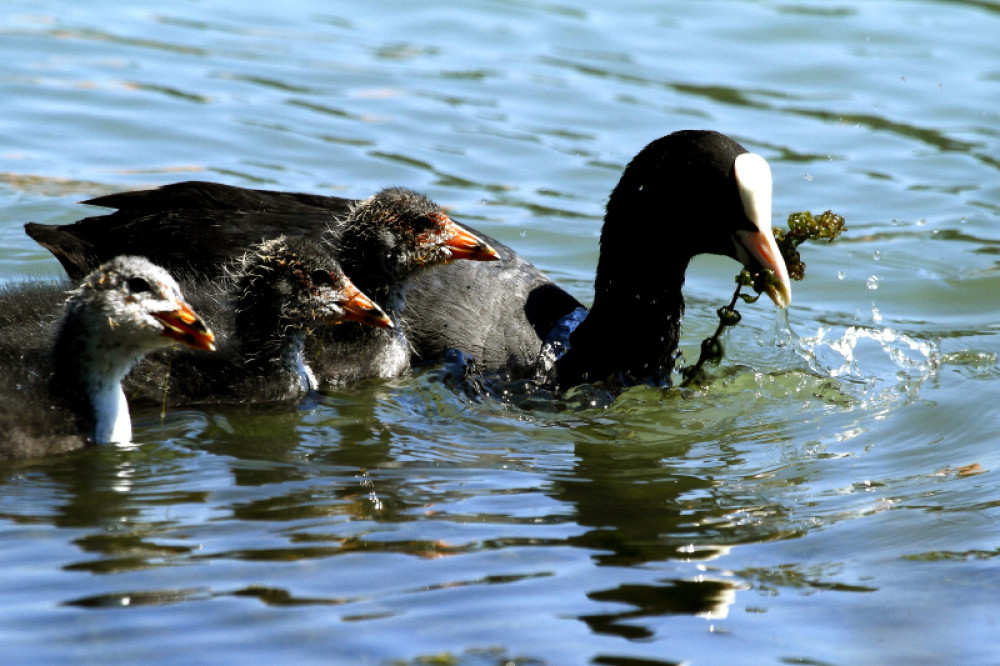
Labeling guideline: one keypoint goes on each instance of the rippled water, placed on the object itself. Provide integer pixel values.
(830, 497)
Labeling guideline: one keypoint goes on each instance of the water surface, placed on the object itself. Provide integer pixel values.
(830, 497)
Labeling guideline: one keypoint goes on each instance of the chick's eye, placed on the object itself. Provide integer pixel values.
(322, 278)
(423, 223)
(137, 285)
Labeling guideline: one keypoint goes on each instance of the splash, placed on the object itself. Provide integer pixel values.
(870, 354)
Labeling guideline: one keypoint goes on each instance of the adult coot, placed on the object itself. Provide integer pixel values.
(685, 194)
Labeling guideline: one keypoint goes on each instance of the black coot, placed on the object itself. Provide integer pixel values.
(685, 194)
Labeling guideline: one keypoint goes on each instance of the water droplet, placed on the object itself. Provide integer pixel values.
(873, 283)
(876, 315)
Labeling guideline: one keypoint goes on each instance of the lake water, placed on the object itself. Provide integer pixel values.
(830, 497)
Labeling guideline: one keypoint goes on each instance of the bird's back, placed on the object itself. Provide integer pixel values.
(498, 312)
(191, 226)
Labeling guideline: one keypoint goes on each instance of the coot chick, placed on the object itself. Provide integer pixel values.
(272, 299)
(688, 193)
(381, 242)
(384, 242)
(64, 393)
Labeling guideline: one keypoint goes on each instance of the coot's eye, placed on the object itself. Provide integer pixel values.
(322, 278)
(137, 285)
(423, 223)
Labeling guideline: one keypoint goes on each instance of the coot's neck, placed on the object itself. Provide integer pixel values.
(293, 363)
(630, 334)
(373, 261)
(270, 345)
(378, 268)
(632, 330)
(352, 351)
(88, 372)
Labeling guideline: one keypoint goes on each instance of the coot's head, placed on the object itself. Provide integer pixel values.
(397, 231)
(689, 193)
(131, 305)
(303, 285)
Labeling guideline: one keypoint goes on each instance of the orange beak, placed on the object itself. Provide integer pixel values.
(184, 326)
(762, 247)
(358, 307)
(464, 244)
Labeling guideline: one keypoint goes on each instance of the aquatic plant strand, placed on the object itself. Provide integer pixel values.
(802, 226)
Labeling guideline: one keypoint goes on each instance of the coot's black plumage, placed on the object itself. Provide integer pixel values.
(687, 193)
(264, 310)
(60, 381)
